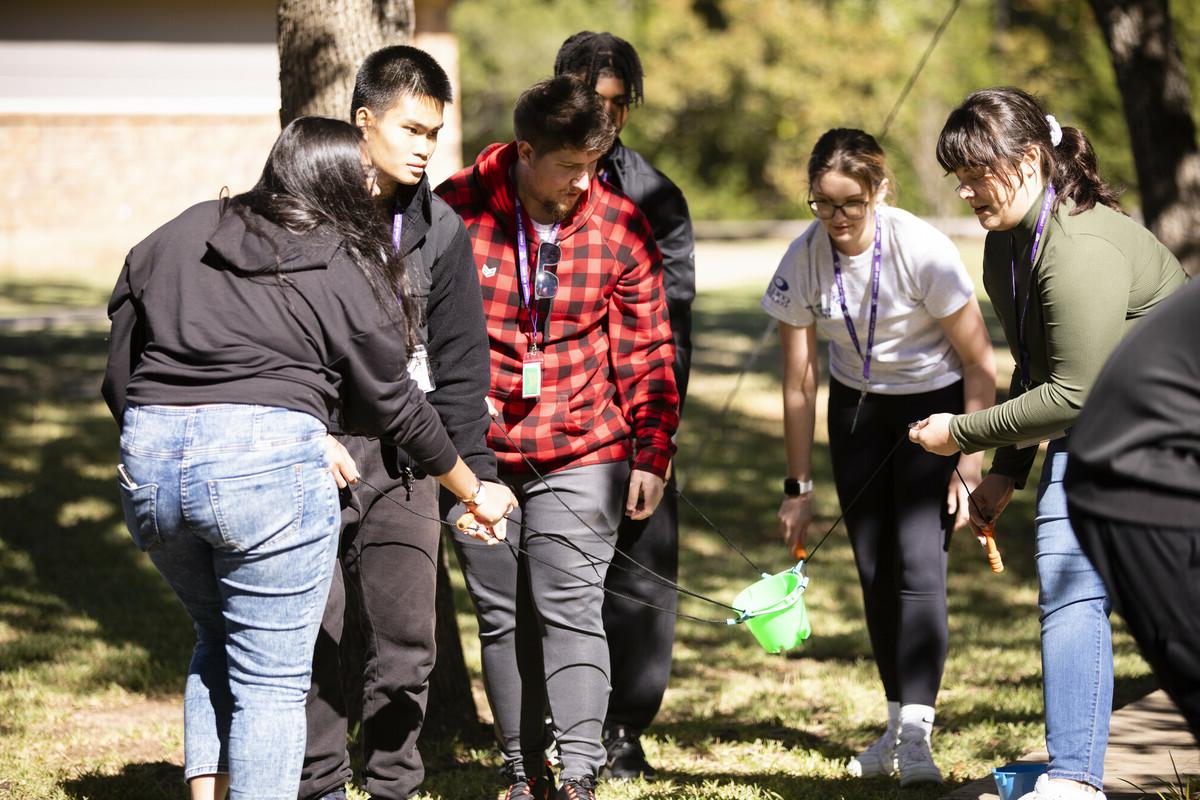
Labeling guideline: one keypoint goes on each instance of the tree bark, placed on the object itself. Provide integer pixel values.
(1157, 102)
(322, 43)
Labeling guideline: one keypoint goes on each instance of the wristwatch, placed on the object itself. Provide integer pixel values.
(793, 487)
(476, 497)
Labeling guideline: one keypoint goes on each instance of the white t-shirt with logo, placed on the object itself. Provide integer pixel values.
(922, 280)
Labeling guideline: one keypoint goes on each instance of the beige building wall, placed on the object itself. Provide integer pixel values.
(116, 116)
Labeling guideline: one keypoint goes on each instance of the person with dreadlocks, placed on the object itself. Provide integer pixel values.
(639, 637)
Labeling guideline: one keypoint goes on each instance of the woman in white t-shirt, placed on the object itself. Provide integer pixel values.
(906, 336)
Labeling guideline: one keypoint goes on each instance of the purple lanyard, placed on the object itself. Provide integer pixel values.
(397, 229)
(876, 262)
(526, 277)
(1022, 351)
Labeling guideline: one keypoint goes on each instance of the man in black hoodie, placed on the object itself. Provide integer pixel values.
(639, 637)
(389, 548)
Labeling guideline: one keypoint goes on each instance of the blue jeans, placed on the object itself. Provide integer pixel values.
(1077, 661)
(235, 506)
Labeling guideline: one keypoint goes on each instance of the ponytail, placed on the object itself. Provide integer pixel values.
(1077, 173)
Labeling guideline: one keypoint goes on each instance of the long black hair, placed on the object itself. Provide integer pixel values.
(316, 176)
(994, 128)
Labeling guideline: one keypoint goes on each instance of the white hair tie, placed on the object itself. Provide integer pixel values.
(1055, 130)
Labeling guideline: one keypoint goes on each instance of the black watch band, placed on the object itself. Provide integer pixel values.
(794, 487)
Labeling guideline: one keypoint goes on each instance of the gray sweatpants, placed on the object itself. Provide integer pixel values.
(540, 625)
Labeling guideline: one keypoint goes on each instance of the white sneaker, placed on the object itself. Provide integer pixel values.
(1045, 789)
(878, 759)
(915, 762)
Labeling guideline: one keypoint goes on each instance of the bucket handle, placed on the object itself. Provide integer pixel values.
(783, 601)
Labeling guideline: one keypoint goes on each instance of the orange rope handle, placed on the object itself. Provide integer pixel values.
(799, 553)
(993, 552)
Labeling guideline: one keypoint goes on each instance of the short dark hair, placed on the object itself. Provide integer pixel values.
(393, 71)
(563, 112)
(588, 56)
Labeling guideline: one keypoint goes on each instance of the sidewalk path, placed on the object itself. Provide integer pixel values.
(1143, 738)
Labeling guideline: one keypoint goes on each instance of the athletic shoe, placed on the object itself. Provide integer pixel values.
(915, 762)
(878, 759)
(521, 787)
(577, 789)
(1046, 789)
(625, 757)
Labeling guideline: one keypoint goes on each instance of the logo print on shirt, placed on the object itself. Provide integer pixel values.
(777, 293)
(490, 270)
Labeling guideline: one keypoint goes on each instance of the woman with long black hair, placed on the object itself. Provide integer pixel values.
(1067, 274)
(238, 330)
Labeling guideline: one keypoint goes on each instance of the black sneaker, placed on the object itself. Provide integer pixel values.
(577, 789)
(625, 759)
(521, 787)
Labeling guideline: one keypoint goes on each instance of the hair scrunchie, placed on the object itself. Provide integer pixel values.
(1055, 130)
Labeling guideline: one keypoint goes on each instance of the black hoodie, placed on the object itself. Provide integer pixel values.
(202, 314)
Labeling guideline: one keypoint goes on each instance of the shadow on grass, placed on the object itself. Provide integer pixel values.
(69, 574)
(154, 779)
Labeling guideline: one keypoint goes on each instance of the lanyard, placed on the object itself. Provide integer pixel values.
(1022, 350)
(527, 278)
(397, 229)
(876, 262)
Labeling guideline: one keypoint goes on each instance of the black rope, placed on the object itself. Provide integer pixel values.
(850, 505)
(711, 524)
(662, 579)
(912, 79)
(515, 549)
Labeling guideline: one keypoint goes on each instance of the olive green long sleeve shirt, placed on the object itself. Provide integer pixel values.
(1096, 274)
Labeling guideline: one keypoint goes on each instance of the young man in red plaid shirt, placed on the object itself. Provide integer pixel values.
(582, 384)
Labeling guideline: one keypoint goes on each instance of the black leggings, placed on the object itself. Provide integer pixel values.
(897, 528)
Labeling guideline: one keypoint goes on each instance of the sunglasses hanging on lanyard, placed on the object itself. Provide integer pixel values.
(876, 263)
(537, 295)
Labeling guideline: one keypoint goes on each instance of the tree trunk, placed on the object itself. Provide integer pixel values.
(321, 44)
(451, 710)
(1157, 101)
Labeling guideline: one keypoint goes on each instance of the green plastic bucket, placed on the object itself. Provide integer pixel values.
(774, 611)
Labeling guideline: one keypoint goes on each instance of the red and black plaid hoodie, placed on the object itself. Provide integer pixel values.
(608, 391)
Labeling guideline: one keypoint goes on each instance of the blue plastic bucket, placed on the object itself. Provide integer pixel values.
(1013, 781)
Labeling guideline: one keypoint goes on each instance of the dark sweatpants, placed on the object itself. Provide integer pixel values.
(640, 638)
(389, 571)
(1153, 577)
(897, 529)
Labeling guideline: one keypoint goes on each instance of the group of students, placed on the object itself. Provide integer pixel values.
(521, 336)
(910, 360)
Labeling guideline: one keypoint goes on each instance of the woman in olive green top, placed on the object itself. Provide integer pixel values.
(1067, 274)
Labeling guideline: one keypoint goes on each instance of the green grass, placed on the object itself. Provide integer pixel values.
(93, 646)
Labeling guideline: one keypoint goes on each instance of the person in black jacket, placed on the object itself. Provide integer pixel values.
(640, 638)
(389, 547)
(238, 330)
(1133, 490)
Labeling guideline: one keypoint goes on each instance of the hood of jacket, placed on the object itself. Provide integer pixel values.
(252, 243)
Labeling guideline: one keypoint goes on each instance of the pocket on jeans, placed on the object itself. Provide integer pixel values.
(256, 510)
(140, 504)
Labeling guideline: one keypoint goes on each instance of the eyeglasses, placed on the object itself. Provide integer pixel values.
(853, 209)
(545, 283)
